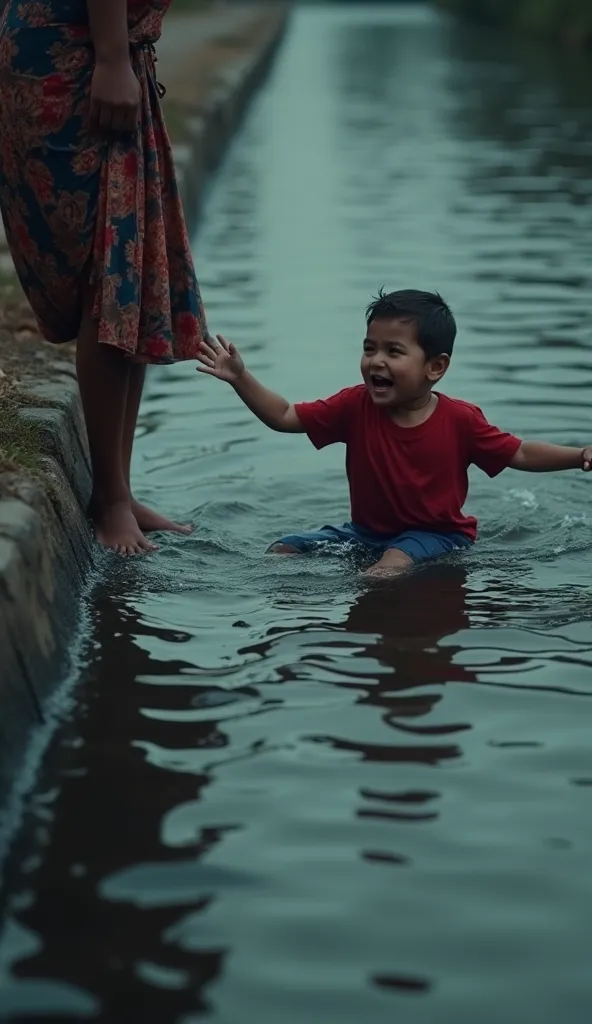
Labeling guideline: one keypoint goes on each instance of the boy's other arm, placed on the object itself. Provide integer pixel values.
(494, 450)
(541, 457)
(221, 359)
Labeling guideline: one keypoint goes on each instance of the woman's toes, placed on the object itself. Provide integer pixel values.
(116, 528)
(149, 520)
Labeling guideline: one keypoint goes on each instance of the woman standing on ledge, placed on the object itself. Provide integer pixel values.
(94, 220)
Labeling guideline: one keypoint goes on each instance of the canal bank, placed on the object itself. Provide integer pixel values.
(211, 64)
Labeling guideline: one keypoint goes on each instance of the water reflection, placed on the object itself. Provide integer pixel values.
(122, 878)
(405, 624)
(103, 783)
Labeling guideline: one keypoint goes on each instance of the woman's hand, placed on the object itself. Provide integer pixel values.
(115, 97)
(220, 360)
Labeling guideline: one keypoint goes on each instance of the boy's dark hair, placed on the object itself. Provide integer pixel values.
(434, 323)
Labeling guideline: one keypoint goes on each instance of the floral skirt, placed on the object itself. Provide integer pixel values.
(76, 206)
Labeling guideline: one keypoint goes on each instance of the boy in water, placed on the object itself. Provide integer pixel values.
(408, 447)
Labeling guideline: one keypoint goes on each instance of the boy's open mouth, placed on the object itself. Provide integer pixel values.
(380, 383)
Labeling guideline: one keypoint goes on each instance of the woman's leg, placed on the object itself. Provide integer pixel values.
(103, 379)
(146, 518)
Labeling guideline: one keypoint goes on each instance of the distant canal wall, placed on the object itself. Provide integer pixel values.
(569, 21)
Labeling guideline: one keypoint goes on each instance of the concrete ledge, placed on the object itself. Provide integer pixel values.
(211, 125)
(45, 540)
(45, 554)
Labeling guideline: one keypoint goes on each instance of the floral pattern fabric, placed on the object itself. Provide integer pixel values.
(74, 203)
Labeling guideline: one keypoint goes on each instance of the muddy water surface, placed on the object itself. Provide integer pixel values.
(281, 794)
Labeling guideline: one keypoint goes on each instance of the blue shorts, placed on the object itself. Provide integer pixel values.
(419, 545)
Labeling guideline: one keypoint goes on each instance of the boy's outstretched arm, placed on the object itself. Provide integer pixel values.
(221, 359)
(540, 457)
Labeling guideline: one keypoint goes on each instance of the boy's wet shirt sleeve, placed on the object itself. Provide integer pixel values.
(490, 448)
(328, 420)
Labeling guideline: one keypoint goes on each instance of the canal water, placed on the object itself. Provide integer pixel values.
(277, 793)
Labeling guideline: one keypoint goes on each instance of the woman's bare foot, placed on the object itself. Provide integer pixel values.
(116, 528)
(151, 521)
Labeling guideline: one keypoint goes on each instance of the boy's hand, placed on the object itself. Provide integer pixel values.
(587, 459)
(222, 360)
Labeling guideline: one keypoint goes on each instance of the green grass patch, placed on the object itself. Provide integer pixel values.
(20, 443)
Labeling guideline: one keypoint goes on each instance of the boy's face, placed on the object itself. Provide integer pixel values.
(395, 368)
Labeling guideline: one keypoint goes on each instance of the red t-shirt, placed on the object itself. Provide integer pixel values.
(402, 478)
